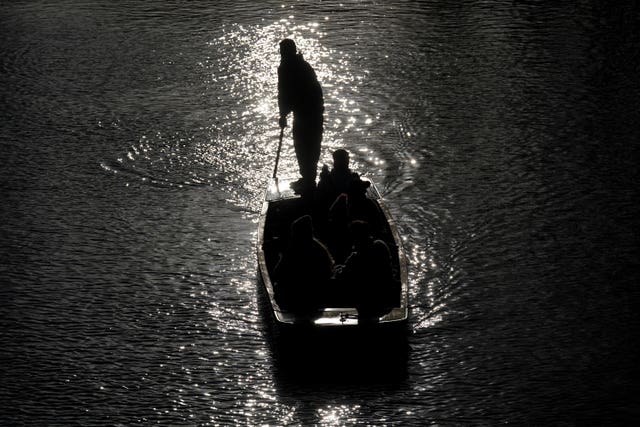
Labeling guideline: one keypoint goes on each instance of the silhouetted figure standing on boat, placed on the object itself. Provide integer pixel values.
(299, 92)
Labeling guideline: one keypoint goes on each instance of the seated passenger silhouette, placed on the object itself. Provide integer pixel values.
(303, 271)
(339, 180)
(337, 231)
(368, 273)
(362, 208)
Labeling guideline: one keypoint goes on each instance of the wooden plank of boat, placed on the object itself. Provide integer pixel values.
(280, 208)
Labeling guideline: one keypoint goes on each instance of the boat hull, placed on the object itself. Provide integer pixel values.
(280, 207)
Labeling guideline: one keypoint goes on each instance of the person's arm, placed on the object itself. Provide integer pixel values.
(284, 102)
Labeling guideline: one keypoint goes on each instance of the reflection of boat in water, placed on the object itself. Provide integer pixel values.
(280, 208)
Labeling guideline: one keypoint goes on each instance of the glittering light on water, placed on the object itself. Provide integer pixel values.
(244, 135)
(232, 144)
(338, 415)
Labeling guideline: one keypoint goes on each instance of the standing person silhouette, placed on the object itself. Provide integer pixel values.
(299, 92)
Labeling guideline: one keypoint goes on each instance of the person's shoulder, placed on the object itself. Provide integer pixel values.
(322, 250)
(318, 245)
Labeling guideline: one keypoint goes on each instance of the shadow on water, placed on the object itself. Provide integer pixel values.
(307, 357)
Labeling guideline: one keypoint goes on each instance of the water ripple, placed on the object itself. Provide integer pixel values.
(136, 142)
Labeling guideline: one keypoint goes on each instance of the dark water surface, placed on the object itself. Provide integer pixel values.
(136, 140)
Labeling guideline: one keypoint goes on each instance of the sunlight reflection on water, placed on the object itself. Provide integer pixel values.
(501, 135)
(244, 140)
(235, 151)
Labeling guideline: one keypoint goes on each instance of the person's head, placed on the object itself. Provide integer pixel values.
(341, 159)
(287, 48)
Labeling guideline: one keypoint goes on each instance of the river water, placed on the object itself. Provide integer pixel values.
(136, 141)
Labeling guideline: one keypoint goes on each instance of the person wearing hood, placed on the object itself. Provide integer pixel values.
(300, 93)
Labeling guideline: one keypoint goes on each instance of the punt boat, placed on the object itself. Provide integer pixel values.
(280, 208)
